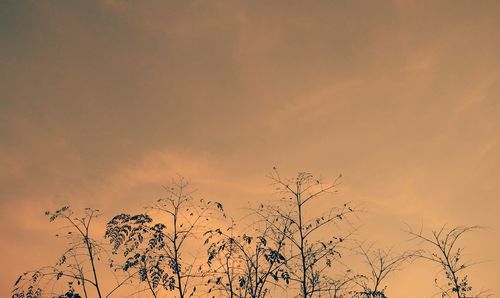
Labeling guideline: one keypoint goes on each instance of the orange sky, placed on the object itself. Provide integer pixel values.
(101, 102)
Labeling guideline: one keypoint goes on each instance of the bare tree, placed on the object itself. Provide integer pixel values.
(444, 251)
(77, 267)
(310, 252)
(341, 285)
(381, 264)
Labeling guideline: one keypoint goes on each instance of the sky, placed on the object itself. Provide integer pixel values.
(103, 102)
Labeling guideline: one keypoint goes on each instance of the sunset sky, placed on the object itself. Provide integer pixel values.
(103, 102)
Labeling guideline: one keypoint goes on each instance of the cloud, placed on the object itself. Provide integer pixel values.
(105, 101)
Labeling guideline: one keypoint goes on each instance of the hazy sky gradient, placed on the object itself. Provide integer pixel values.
(102, 102)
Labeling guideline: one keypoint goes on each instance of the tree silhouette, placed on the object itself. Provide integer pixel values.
(280, 246)
(127, 234)
(381, 264)
(245, 265)
(444, 251)
(76, 267)
(342, 286)
(308, 255)
(160, 250)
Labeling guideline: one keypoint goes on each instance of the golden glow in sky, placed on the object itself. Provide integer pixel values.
(102, 102)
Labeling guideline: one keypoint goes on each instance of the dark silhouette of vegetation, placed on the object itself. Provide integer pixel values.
(309, 256)
(158, 250)
(244, 265)
(381, 264)
(76, 267)
(345, 285)
(184, 246)
(444, 251)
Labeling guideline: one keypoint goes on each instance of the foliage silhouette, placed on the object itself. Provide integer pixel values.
(186, 246)
(76, 266)
(445, 252)
(244, 265)
(381, 264)
(158, 250)
(308, 255)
